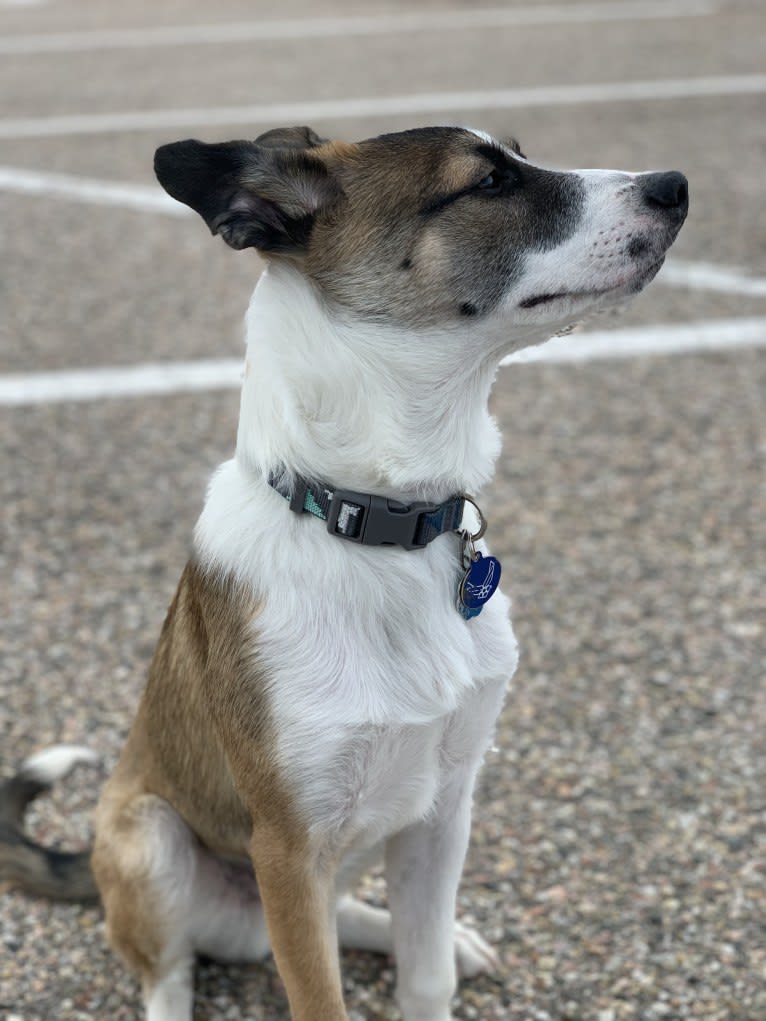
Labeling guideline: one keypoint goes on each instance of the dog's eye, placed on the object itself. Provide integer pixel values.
(499, 182)
(492, 184)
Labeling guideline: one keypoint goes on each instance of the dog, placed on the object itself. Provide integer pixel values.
(333, 663)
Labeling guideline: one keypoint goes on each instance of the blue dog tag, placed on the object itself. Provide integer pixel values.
(478, 585)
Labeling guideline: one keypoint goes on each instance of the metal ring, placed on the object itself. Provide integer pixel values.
(482, 519)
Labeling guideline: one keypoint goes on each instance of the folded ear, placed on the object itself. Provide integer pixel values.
(254, 196)
(290, 138)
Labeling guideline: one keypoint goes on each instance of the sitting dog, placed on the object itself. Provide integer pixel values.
(331, 668)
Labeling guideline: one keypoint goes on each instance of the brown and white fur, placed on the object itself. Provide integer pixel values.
(314, 705)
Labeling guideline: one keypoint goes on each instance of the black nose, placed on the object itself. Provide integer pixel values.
(667, 189)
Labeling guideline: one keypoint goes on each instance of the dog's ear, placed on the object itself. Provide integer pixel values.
(253, 195)
(290, 138)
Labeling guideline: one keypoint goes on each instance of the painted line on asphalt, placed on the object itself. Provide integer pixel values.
(150, 380)
(704, 276)
(440, 103)
(142, 198)
(633, 342)
(353, 25)
(151, 199)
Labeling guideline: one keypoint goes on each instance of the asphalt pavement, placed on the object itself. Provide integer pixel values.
(619, 854)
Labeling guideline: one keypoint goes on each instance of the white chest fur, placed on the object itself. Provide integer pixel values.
(374, 675)
(358, 785)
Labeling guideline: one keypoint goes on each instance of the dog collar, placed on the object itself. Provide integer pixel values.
(367, 518)
(373, 520)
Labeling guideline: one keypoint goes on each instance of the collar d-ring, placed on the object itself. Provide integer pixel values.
(482, 520)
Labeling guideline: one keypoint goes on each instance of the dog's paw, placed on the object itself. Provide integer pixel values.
(474, 955)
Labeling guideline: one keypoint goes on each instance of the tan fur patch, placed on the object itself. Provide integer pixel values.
(335, 152)
(203, 743)
(361, 244)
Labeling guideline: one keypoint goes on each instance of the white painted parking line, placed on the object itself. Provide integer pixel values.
(440, 103)
(151, 199)
(664, 339)
(704, 276)
(121, 381)
(355, 25)
(226, 373)
(143, 198)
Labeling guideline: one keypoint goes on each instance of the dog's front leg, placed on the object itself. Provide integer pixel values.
(298, 893)
(423, 867)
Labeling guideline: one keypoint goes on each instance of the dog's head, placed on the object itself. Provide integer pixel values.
(433, 227)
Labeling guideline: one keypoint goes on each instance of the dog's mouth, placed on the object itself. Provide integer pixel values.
(632, 284)
(543, 299)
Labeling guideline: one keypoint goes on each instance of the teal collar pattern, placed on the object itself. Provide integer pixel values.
(369, 519)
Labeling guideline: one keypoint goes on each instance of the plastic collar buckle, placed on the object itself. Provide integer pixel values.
(375, 520)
